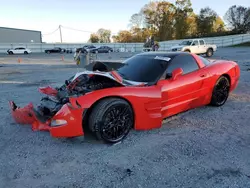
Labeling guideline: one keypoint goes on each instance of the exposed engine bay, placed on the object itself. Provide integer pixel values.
(75, 86)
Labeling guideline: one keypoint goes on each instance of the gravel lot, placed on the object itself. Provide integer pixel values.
(204, 147)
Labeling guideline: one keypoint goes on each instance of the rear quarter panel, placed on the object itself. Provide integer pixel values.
(227, 68)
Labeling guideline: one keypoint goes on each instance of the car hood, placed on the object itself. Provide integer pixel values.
(113, 75)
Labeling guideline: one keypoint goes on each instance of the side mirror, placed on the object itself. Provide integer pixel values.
(176, 73)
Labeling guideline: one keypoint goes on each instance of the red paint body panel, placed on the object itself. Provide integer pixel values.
(48, 90)
(74, 122)
(26, 115)
(151, 104)
(145, 101)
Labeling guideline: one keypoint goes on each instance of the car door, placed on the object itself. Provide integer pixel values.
(101, 49)
(183, 93)
(16, 51)
(195, 47)
(202, 48)
(21, 50)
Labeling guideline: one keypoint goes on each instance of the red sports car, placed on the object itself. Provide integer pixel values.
(146, 89)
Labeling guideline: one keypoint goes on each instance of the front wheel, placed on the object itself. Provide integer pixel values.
(220, 91)
(111, 120)
(25, 52)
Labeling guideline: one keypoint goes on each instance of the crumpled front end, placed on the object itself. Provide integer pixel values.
(27, 115)
(67, 122)
(55, 113)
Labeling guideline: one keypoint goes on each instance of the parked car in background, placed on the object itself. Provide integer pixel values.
(19, 50)
(101, 49)
(88, 47)
(196, 46)
(69, 51)
(55, 50)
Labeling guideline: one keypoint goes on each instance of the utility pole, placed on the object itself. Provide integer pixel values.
(60, 32)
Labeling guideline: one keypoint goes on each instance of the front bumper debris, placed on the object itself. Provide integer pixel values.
(27, 115)
(66, 123)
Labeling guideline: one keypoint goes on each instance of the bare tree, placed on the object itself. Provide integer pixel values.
(137, 20)
(238, 18)
(104, 35)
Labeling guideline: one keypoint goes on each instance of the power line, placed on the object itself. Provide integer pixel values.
(51, 32)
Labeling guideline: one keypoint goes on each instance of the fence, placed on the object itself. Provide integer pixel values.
(130, 47)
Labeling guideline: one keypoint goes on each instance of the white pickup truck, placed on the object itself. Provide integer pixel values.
(196, 46)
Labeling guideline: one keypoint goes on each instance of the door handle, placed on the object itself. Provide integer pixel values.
(203, 75)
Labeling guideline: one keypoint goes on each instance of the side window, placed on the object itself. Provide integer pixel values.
(202, 42)
(186, 62)
(195, 43)
(205, 61)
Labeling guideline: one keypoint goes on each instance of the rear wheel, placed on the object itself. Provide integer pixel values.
(188, 51)
(210, 52)
(220, 91)
(11, 53)
(111, 120)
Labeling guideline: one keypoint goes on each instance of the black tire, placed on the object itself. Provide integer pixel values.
(11, 53)
(209, 52)
(220, 92)
(111, 120)
(188, 51)
(25, 52)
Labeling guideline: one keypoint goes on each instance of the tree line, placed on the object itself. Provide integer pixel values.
(167, 21)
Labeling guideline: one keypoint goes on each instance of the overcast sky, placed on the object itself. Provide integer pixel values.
(86, 15)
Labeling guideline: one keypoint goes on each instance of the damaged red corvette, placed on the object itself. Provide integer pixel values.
(146, 89)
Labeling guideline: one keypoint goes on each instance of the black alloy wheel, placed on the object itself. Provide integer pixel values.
(221, 91)
(111, 120)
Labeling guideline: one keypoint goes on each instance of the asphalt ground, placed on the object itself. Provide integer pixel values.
(203, 147)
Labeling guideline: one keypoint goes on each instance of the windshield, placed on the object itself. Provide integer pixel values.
(186, 43)
(143, 68)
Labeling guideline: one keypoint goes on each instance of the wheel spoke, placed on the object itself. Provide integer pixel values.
(117, 122)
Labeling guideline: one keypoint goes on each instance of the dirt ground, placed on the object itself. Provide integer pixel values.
(204, 147)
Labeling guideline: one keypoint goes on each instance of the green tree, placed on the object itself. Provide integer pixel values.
(123, 37)
(104, 35)
(205, 21)
(191, 21)
(159, 17)
(219, 25)
(183, 11)
(94, 38)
